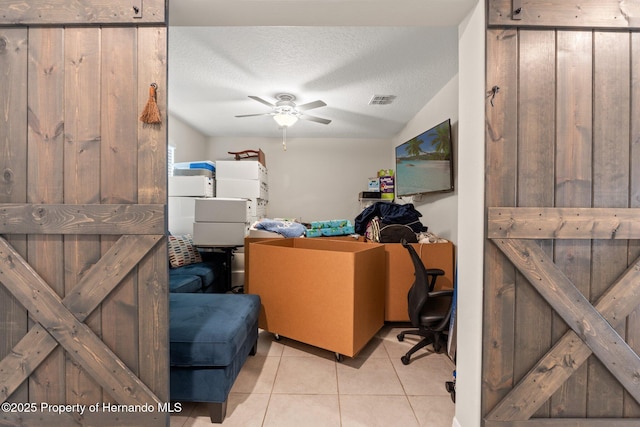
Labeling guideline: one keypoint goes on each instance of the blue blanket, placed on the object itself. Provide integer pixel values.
(285, 228)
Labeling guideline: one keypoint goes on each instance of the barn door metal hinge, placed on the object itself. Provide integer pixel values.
(516, 9)
(137, 8)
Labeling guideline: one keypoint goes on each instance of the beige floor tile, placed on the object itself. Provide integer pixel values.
(425, 376)
(179, 419)
(375, 348)
(294, 348)
(433, 411)
(291, 410)
(376, 411)
(257, 375)
(368, 376)
(246, 410)
(306, 375)
(268, 345)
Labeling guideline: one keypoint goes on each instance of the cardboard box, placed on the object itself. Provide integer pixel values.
(244, 188)
(180, 213)
(326, 293)
(219, 233)
(221, 209)
(191, 186)
(233, 169)
(400, 274)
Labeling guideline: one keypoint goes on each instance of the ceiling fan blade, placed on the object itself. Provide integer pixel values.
(253, 115)
(262, 101)
(311, 105)
(315, 119)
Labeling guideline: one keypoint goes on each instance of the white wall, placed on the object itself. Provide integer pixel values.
(190, 144)
(471, 51)
(439, 211)
(314, 179)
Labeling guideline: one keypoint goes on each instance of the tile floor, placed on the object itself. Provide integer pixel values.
(288, 383)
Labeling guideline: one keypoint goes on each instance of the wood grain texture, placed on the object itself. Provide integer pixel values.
(568, 354)
(563, 223)
(61, 12)
(81, 183)
(153, 280)
(536, 146)
(56, 218)
(13, 165)
(632, 408)
(45, 139)
(576, 310)
(118, 179)
(585, 14)
(65, 326)
(573, 171)
(611, 126)
(501, 166)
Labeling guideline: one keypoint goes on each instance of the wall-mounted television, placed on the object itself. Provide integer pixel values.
(424, 164)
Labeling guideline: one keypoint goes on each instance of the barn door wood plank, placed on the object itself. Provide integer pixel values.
(500, 190)
(56, 218)
(585, 14)
(119, 178)
(153, 277)
(632, 408)
(567, 422)
(13, 170)
(48, 12)
(563, 223)
(568, 354)
(45, 138)
(611, 124)
(573, 188)
(577, 312)
(536, 146)
(64, 328)
(81, 183)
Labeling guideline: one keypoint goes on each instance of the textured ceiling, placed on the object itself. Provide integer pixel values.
(214, 68)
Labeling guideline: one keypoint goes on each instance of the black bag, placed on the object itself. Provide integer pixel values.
(395, 233)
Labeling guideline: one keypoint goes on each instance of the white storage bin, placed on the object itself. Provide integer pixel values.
(220, 209)
(243, 188)
(191, 186)
(180, 212)
(219, 233)
(233, 169)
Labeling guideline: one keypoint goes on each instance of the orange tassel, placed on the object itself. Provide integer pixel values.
(151, 112)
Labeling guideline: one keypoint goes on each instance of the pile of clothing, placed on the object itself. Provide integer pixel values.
(388, 222)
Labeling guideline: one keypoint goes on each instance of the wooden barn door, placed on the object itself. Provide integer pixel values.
(83, 263)
(561, 331)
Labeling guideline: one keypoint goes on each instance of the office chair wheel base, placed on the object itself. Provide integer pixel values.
(401, 337)
(405, 360)
(339, 357)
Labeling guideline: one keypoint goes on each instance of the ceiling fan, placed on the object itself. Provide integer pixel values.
(285, 111)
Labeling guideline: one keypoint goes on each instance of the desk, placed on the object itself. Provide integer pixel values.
(400, 274)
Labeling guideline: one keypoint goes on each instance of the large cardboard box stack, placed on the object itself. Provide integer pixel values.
(326, 293)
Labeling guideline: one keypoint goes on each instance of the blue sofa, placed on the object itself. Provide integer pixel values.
(211, 335)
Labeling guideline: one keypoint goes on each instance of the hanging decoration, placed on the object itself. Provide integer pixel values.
(151, 112)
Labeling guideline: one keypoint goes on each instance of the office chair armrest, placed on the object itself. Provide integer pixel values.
(435, 272)
(441, 293)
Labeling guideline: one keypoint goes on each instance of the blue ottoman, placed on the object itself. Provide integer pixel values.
(211, 336)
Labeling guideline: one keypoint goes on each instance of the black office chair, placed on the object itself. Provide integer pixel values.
(429, 310)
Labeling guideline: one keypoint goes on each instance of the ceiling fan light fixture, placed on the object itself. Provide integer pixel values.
(285, 120)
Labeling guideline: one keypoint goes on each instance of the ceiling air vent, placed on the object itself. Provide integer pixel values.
(382, 99)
